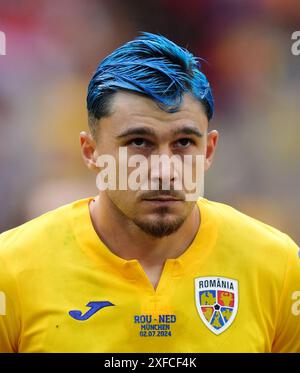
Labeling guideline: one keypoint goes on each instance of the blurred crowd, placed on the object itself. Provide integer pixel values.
(53, 48)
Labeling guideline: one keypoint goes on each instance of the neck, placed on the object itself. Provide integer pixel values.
(131, 242)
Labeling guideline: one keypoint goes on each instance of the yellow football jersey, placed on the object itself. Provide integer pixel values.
(235, 289)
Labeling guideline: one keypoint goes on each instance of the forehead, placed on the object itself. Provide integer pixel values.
(129, 109)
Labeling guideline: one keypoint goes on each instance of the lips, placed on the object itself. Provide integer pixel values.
(162, 199)
(162, 196)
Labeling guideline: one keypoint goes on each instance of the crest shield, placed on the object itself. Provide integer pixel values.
(216, 301)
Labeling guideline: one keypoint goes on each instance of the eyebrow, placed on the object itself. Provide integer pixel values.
(188, 130)
(139, 131)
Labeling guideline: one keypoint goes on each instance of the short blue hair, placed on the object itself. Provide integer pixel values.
(151, 65)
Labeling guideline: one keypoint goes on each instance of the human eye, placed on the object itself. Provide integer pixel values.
(184, 143)
(139, 143)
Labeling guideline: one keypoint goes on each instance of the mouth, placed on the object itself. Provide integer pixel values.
(163, 200)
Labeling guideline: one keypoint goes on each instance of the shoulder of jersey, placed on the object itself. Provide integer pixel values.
(252, 229)
(33, 235)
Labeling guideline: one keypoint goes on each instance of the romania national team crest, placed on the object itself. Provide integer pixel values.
(217, 301)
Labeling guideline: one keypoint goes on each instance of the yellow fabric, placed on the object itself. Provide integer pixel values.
(56, 263)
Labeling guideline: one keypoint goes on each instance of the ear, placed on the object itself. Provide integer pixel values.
(212, 140)
(88, 150)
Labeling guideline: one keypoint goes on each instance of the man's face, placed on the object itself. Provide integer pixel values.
(137, 123)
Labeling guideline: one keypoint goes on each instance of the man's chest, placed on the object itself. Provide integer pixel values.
(193, 313)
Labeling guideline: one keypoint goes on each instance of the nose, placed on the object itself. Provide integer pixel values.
(165, 169)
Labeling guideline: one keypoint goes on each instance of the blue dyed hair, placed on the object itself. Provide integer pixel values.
(151, 65)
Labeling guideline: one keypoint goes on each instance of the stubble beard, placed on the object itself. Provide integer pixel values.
(160, 227)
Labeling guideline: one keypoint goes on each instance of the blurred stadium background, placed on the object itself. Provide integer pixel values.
(53, 48)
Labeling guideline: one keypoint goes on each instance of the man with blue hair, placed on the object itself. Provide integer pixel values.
(146, 269)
